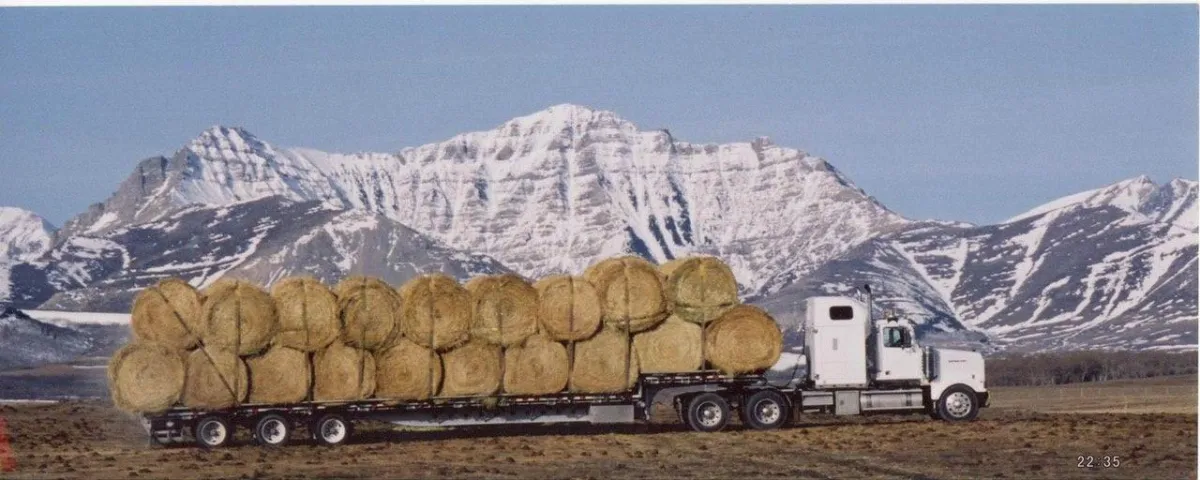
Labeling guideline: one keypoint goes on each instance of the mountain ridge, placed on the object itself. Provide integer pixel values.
(554, 190)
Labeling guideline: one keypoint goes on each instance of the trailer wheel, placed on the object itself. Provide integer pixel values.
(213, 432)
(707, 413)
(332, 429)
(958, 404)
(272, 430)
(765, 410)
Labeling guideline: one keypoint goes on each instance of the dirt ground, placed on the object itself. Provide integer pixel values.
(93, 440)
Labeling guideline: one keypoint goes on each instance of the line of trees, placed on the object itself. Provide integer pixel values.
(1085, 366)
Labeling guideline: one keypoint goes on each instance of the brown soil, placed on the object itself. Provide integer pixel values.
(94, 440)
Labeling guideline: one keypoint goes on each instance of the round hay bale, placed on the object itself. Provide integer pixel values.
(744, 339)
(342, 373)
(215, 379)
(370, 311)
(537, 367)
(407, 371)
(145, 377)
(471, 369)
(676, 345)
(353, 282)
(604, 363)
(308, 314)
(238, 316)
(568, 307)
(168, 313)
(279, 375)
(436, 312)
(700, 288)
(506, 309)
(631, 293)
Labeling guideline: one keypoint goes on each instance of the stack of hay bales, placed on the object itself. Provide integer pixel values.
(433, 338)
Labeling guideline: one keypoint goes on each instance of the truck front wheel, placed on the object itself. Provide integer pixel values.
(958, 404)
(707, 413)
(765, 410)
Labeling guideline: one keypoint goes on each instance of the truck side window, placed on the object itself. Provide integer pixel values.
(893, 337)
(841, 313)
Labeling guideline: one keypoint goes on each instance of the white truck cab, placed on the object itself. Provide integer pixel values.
(879, 362)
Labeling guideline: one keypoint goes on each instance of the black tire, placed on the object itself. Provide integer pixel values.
(707, 412)
(213, 432)
(958, 404)
(765, 410)
(272, 430)
(332, 429)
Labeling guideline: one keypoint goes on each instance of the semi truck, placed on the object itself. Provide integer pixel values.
(850, 364)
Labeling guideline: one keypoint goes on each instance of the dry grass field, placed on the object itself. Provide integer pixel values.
(1175, 394)
(93, 440)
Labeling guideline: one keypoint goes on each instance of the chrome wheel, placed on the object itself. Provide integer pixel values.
(958, 404)
(213, 433)
(272, 430)
(767, 412)
(332, 431)
(711, 414)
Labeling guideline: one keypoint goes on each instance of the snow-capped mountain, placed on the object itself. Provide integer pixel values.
(544, 193)
(260, 240)
(25, 341)
(1112, 267)
(553, 191)
(24, 236)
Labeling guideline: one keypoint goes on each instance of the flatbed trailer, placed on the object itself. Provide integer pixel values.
(704, 401)
(332, 423)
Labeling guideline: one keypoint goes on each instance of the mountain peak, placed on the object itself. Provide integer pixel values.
(1136, 195)
(555, 118)
(224, 138)
(24, 235)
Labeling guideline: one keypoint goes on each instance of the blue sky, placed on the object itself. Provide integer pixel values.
(971, 113)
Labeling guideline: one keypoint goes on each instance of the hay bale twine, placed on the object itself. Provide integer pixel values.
(145, 377)
(537, 367)
(471, 369)
(604, 363)
(568, 307)
(215, 379)
(436, 311)
(700, 288)
(631, 293)
(279, 375)
(238, 316)
(407, 371)
(307, 312)
(342, 373)
(676, 345)
(168, 313)
(744, 339)
(370, 311)
(506, 309)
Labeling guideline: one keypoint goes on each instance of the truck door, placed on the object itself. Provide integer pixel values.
(899, 357)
